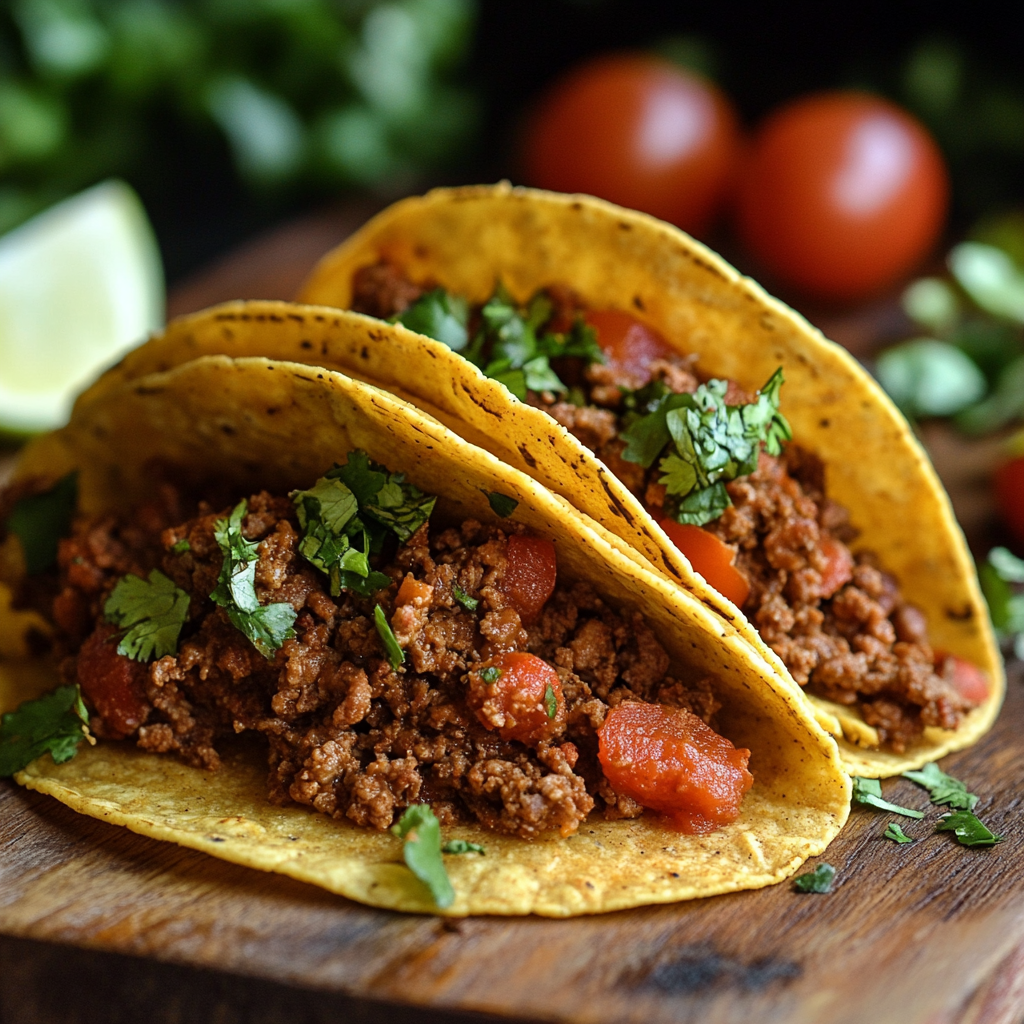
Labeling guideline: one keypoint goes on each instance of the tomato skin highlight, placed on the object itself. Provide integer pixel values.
(970, 682)
(639, 131)
(629, 346)
(514, 704)
(842, 194)
(711, 557)
(839, 570)
(668, 760)
(113, 685)
(1009, 484)
(530, 575)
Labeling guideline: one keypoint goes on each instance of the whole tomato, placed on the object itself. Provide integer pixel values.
(639, 131)
(1009, 482)
(842, 193)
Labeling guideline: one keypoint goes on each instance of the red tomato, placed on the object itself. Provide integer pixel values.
(530, 574)
(629, 346)
(970, 682)
(114, 686)
(839, 569)
(842, 194)
(668, 760)
(1010, 495)
(639, 131)
(518, 702)
(414, 592)
(711, 557)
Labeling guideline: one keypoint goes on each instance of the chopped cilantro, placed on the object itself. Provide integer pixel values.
(1001, 570)
(970, 831)
(819, 880)
(463, 846)
(943, 788)
(55, 722)
(439, 315)
(152, 610)
(501, 504)
(181, 547)
(491, 674)
(395, 653)
(869, 793)
(896, 834)
(550, 702)
(266, 626)
(40, 520)
(421, 830)
(702, 442)
(469, 603)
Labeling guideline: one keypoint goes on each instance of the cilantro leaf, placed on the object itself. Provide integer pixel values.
(153, 610)
(943, 788)
(55, 722)
(869, 793)
(439, 315)
(501, 504)
(265, 626)
(463, 846)
(1000, 571)
(421, 830)
(970, 831)
(40, 520)
(394, 652)
(469, 603)
(181, 547)
(819, 880)
(550, 701)
(896, 834)
(491, 674)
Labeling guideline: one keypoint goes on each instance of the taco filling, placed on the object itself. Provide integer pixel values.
(386, 661)
(714, 464)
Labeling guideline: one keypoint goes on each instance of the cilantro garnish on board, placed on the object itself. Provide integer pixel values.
(894, 832)
(703, 443)
(55, 722)
(39, 521)
(943, 788)
(819, 880)
(969, 829)
(153, 611)
(1000, 572)
(266, 626)
(869, 793)
(421, 830)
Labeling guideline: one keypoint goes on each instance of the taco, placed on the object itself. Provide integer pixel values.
(403, 626)
(838, 559)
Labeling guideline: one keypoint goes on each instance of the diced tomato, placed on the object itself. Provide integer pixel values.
(629, 346)
(711, 557)
(971, 683)
(839, 568)
(1009, 481)
(412, 591)
(667, 759)
(530, 574)
(113, 685)
(520, 697)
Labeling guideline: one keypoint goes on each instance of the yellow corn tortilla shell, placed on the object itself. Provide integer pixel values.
(259, 423)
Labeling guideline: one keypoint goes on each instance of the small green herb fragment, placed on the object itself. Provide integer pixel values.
(896, 834)
(970, 831)
(1000, 571)
(550, 702)
(420, 829)
(395, 653)
(40, 520)
(491, 674)
(501, 504)
(439, 315)
(181, 547)
(463, 846)
(469, 603)
(153, 611)
(819, 880)
(265, 626)
(55, 722)
(943, 788)
(869, 793)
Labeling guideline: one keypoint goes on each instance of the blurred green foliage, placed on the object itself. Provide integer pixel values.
(321, 92)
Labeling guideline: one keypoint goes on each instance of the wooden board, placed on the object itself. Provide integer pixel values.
(97, 924)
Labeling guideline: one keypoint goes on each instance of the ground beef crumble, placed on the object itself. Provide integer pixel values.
(348, 735)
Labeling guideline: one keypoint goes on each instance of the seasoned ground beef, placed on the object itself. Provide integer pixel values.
(348, 734)
(858, 643)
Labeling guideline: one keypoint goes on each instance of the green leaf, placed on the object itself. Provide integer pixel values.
(1007, 564)
(943, 788)
(819, 880)
(491, 674)
(550, 701)
(421, 830)
(396, 656)
(896, 834)
(39, 521)
(869, 793)
(700, 507)
(463, 846)
(501, 504)
(439, 315)
(181, 547)
(970, 831)
(469, 603)
(514, 380)
(678, 476)
(153, 611)
(55, 723)
(927, 377)
(539, 376)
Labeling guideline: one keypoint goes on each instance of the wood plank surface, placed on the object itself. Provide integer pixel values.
(97, 924)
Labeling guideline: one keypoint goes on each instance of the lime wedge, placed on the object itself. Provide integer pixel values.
(80, 284)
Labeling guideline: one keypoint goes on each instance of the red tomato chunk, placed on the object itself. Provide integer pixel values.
(838, 570)
(667, 759)
(530, 575)
(628, 345)
(711, 557)
(970, 682)
(113, 685)
(518, 700)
